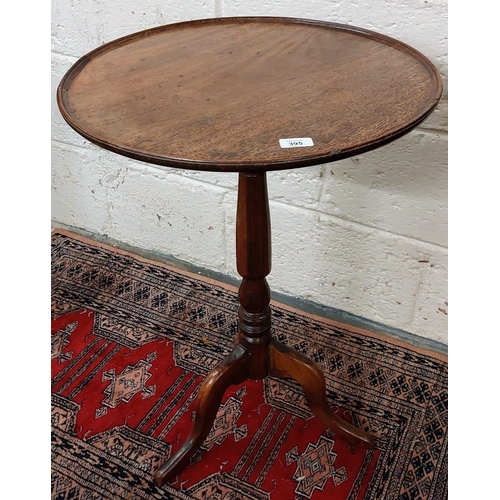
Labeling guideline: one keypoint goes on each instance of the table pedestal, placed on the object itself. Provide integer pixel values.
(256, 354)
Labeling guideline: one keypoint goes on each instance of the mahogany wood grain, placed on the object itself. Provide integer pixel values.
(256, 354)
(253, 261)
(288, 363)
(229, 372)
(219, 94)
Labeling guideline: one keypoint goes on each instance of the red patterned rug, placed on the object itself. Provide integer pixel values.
(131, 342)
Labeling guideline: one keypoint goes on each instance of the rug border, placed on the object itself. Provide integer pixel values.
(379, 336)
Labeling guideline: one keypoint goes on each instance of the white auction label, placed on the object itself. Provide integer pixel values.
(300, 142)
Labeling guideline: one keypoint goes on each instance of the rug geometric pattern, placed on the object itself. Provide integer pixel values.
(131, 343)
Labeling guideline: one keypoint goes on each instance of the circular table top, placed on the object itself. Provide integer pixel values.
(248, 94)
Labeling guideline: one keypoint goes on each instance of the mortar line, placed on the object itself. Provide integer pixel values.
(219, 8)
(305, 305)
(343, 222)
(417, 296)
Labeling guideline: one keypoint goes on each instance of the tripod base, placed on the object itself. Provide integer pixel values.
(283, 362)
(256, 355)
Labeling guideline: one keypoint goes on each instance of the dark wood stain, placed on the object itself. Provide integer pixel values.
(218, 94)
(256, 354)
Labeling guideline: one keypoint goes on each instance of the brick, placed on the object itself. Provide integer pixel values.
(300, 187)
(431, 309)
(400, 188)
(360, 270)
(160, 211)
(80, 26)
(79, 195)
(370, 239)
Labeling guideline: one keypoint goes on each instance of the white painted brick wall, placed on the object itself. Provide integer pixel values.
(367, 235)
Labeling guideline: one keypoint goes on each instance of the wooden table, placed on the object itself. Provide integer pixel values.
(250, 95)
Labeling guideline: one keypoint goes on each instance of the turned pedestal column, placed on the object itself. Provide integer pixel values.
(256, 355)
(250, 95)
